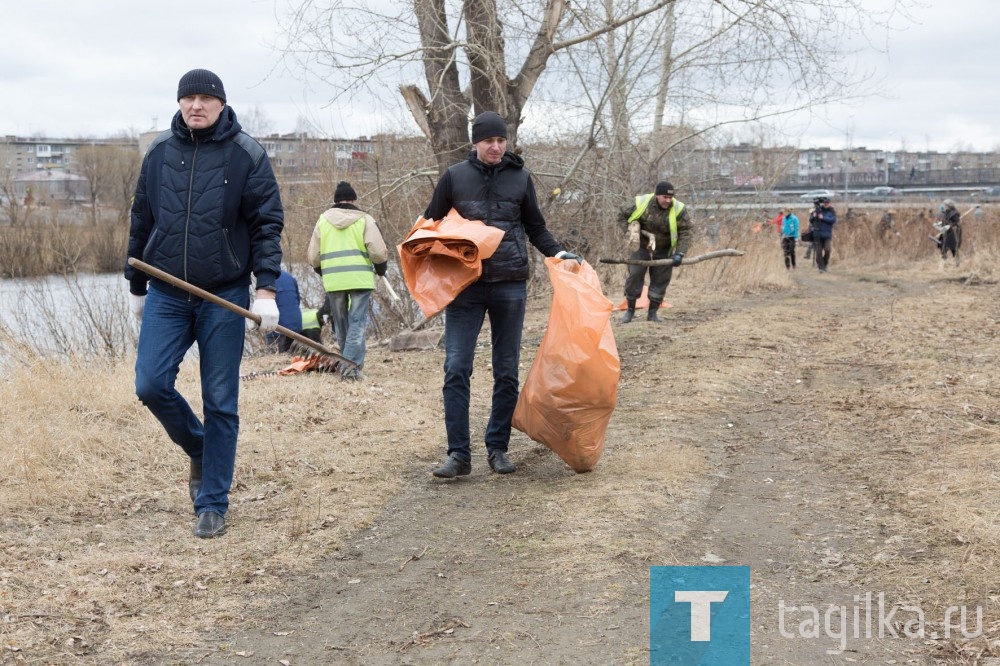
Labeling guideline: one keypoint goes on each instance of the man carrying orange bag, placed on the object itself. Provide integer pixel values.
(492, 186)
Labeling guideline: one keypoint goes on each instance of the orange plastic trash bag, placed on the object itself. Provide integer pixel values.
(572, 387)
(440, 258)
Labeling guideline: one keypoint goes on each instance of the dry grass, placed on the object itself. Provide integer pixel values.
(97, 563)
(97, 552)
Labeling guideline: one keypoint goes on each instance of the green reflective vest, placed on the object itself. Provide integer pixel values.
(343, 257)
(310, 318)
(642, 203)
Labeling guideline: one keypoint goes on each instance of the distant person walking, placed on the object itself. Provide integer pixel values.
(949, 226)
(821, 221)
(789, 236)
(207, 210)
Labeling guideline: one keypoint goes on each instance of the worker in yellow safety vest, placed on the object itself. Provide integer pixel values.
(312, 327)
(658, 228)
(347, 250)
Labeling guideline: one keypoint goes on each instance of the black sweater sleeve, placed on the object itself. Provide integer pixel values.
(441, 203)
(534, 224)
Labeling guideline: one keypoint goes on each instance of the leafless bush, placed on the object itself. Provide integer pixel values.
(78, 314)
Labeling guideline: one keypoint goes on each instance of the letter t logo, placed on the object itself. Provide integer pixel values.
(701, 610)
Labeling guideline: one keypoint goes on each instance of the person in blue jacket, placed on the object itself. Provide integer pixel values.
(789, 236)
(289, 310)
(821, 221)
(206, 210)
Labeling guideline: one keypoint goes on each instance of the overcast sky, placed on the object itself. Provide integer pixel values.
(70, 68)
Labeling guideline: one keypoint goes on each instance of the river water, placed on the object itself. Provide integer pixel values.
(85, 313)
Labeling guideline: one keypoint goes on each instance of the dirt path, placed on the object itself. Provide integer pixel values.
(742, 436)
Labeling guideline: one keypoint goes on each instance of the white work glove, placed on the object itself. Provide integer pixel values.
(651, 244)
(267, 310)
(633, 237)
(136, 304)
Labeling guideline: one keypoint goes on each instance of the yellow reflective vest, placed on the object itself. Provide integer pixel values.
(310, 318)
(343, 257)
(642, 203)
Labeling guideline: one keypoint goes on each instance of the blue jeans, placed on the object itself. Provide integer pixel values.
(504, 302)
(170, 326)
(349, 312)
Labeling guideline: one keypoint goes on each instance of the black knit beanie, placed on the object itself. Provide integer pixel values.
(663, 187)
(344, 192)
(201, 82)
(488, 124)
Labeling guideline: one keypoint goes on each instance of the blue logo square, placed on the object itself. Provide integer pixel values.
(699, 615)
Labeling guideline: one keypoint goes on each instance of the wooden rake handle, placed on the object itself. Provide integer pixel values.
(232, 307)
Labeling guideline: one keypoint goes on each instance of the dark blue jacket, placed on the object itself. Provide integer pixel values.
(501, 196)
(206, 209)
(821, 222)
(288, 301)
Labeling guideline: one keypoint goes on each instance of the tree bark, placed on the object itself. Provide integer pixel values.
(445, 115)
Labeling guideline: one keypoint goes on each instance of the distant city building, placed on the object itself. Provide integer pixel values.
(299, 157)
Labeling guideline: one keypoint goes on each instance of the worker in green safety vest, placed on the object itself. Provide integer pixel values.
(312, 325)
(666, 220)
(348, 250)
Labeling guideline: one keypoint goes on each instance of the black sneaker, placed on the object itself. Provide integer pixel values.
(500, 463)
(210, 524)
(453, 467)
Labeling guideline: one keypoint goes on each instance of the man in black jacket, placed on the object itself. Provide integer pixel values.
(493, 186)
(206, 210)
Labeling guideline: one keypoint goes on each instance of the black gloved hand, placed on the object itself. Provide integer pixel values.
(677, 258)
(380, 268)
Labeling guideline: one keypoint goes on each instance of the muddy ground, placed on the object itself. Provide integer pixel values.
(789, 431)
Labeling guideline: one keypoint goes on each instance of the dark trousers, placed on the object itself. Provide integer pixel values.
(504, 303)
(950, 240)
(659, 277)
(788, 249)
(821, 248)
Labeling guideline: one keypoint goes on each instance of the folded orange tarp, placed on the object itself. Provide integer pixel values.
(440, 258)
(571, 389)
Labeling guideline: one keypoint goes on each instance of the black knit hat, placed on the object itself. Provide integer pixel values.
(663, 187)
(488, 124)
(344, 192)
(201, 82)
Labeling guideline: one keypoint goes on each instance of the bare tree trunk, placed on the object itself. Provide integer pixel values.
(488, 77)
(444, 117)
(666, 66)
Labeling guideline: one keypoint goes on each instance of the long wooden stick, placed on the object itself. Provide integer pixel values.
(232, 307)
(686, 260)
